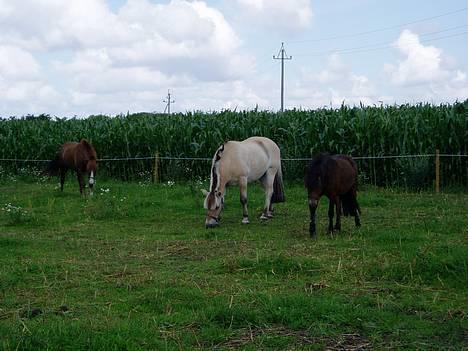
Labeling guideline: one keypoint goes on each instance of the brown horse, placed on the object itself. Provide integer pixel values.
(80, 157)
(336, 177)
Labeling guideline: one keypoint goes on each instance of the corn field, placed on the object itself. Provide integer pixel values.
(358, 131)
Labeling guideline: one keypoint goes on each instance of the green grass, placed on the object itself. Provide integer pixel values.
(134, 268)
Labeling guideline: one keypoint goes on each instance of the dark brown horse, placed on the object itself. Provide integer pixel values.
(79, 157)
(336, 177)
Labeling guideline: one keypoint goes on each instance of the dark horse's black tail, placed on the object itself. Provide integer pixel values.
(278, 190)
(53, 166)
(350, 204)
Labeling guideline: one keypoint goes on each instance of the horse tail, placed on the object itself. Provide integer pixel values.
(278, 189)
(350, 204)
(53, 166)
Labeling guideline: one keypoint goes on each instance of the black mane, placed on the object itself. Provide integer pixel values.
(315, 169)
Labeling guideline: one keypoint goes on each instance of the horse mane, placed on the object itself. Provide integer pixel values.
(319, 159)
(214, 174)
(89, 149)
(315, 169)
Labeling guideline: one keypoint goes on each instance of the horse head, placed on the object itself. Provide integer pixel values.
(91, 168)
(314, 178)
(315, 190)
(91, 164)
(214, 203)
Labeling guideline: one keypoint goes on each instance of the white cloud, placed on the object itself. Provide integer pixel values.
(16, 63)
(335, 70)
(421, 64)
(81, 57)
(279, 14)
(140, 50)
(23, 88)
(56, 24)
(334, 84)
(425, 72)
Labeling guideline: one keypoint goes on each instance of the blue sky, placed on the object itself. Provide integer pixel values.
(78, 58)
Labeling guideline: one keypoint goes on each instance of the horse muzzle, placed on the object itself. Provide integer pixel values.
(211, 222)
(313, 203)
(91, 179)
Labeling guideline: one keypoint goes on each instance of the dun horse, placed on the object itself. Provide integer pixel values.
(79, 157)
(336, 177)
(235, 162)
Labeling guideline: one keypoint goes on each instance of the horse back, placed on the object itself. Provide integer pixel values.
(77, 155)
(67, 154)
(259, 154)
(334, 174)
(250, 158)
(342, 173)
(261, 146)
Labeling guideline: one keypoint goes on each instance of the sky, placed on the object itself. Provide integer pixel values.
(83, 57)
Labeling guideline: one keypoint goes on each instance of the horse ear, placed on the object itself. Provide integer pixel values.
(204, 192)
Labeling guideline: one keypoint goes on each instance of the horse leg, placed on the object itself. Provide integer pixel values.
(79, 175)
(357, 221)
(243, 200)
(63, 173)
(331, 206)
(312, 224)
(338, 213)
(268, 187)
(271, 208)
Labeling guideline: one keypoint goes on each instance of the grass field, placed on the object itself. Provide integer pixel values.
(134, 268)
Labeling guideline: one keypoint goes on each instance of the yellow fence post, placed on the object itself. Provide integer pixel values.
(156, 170)
(437, 171)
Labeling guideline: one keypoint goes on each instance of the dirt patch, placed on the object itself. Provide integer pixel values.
(200, 250)
(348, 342)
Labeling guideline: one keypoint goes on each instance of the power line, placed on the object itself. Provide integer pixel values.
(282, 56)
(168, 103)
(374, 47)
(342, 36)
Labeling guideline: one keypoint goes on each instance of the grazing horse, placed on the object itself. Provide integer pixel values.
(80, 157)
(242, 162)
(336, 177)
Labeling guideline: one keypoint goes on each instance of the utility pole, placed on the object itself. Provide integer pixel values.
(168, 102)
(282, 56)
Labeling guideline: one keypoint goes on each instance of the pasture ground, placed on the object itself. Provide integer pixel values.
(134, 268)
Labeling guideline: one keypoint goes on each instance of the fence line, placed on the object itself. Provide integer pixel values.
(209, 159)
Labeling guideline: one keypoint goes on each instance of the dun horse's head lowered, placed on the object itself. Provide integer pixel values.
(214, 204)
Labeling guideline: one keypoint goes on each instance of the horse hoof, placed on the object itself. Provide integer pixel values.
(264, 217)
(245, 220)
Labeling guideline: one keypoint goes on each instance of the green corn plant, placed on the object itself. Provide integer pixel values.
(358, 131)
